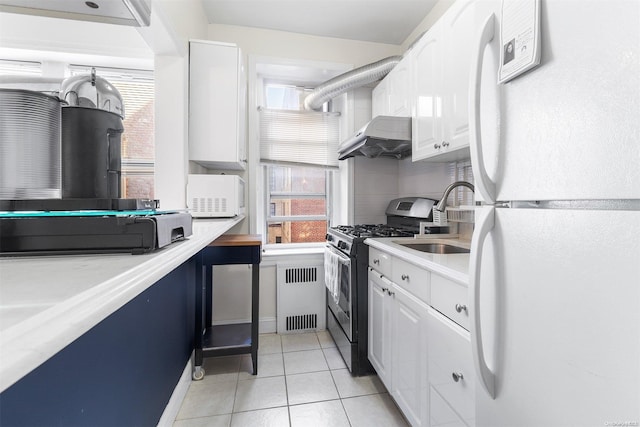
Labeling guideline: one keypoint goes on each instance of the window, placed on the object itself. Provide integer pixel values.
(298, 152)
(297, 197)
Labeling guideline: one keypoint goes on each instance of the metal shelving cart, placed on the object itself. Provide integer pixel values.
(226, 340)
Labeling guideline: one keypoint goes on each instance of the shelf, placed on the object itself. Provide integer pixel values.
(226, 338)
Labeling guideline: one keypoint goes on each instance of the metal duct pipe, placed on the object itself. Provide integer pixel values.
(350, 80)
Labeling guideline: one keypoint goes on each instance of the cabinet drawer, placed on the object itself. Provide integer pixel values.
(451, 299)
(451, 373)
(380, 261)
(411, 278)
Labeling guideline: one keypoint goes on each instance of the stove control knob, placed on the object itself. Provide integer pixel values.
(328, 237)
(342, 245)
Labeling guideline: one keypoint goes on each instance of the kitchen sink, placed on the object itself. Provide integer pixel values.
(435, 248)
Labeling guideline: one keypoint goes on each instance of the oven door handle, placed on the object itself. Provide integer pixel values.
(343, 257)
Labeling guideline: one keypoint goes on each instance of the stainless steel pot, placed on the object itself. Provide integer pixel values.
(29, 145)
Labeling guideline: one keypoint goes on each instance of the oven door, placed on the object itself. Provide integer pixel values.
(340, 305)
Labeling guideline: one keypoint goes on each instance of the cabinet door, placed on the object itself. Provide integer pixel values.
(216, 113)
(427, 75)
(409, 361)
(399, 88)
(242, 111)
(459, 29)
(380, 99)
(379, 326)
(451, 373)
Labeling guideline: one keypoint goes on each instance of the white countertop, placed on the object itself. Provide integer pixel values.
(47, 302)
(452, 266)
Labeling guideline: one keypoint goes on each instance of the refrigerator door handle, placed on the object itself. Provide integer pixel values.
(485, 221)
(484, 185)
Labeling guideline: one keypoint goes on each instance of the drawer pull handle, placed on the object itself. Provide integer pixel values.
(405, 277)
(390, 293)
(376, 261)
(384, 290)
(460, 308)
(457, 376)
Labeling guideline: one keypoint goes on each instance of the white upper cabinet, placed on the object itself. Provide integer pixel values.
(427, 78)
(380, 99)
(441, 69)
(459, 29)
(392, 95)
(217, 105)
(399, 81)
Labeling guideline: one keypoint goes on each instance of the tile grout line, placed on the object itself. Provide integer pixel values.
(337, 389)
(325, 358)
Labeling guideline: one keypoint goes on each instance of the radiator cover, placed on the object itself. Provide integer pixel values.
(301, 298)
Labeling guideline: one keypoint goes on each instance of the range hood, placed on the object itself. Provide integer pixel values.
(383, 136)
(135, 13)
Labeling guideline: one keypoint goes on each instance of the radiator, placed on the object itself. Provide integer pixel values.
(301, 298)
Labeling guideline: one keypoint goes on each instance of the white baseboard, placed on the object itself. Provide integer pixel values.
(173, 407)
(266, 325)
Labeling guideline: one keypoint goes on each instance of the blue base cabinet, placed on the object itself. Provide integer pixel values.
(122, 372)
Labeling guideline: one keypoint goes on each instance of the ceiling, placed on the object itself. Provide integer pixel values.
(380, 21)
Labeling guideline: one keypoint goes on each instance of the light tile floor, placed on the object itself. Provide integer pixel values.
(302, 381)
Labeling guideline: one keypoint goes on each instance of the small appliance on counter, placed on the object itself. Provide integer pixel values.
(29, 145)
(94, 231)
(215, 195)
(60, 181)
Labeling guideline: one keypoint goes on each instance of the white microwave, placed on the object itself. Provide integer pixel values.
(215, 196)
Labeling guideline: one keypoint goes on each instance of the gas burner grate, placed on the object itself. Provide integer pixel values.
(373, 230)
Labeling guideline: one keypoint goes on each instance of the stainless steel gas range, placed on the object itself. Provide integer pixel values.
(347, 294)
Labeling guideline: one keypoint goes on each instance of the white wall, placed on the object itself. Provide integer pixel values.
(300, 46)
(423, 179)
(172, 25)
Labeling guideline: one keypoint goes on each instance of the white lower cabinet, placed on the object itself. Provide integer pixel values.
(422, 356)
(398, 344)
(409, 385)
(379, 326)
(451, 375)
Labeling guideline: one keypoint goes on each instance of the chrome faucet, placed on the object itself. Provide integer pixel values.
(442, 204)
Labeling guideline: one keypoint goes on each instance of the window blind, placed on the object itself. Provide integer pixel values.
(21, 68)
(299, 137)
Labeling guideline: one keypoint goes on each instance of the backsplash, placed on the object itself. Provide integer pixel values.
(377, 181)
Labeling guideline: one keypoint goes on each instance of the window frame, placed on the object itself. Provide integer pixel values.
(267, 218)
(261, 69)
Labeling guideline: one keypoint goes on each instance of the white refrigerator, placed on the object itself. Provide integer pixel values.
(555, 254)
